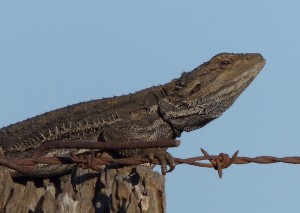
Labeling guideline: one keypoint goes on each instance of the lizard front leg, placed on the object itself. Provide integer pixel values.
(142, 130)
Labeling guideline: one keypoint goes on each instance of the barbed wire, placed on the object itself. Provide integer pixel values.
(93, 161)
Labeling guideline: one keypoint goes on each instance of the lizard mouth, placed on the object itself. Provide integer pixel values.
(241, 82)
(230, 89)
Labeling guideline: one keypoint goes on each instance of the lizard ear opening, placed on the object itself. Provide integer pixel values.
(196, 89)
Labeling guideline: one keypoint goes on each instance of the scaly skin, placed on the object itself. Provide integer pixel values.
(161, 112)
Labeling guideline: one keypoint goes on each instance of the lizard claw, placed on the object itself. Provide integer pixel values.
(165, 159)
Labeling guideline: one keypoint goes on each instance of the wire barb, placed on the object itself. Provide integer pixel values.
(221, 163)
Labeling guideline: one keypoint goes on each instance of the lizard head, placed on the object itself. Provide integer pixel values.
(203, 94)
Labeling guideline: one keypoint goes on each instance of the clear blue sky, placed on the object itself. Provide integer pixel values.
(54, 53)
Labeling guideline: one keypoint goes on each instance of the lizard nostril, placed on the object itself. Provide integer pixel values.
(247, 58)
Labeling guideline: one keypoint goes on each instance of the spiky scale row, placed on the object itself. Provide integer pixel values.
(84, 128)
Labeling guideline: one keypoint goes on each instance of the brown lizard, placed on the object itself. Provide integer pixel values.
(160, 112)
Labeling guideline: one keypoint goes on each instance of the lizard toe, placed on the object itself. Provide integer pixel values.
(165, 159)
(163, 162)
(170, 161)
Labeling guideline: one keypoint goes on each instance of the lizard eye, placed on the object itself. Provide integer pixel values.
(225, 63)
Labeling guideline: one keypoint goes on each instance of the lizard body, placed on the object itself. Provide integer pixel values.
(160, 112)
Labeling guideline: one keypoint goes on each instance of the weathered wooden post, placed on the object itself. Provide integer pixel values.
(128, 189)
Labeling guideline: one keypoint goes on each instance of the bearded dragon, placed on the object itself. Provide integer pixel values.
(159, 112)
